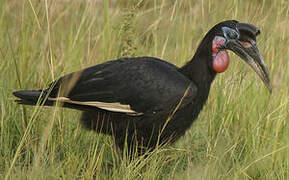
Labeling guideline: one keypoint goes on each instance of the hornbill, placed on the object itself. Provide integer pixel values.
(145, 101)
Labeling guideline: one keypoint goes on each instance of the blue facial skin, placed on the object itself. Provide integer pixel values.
(230, 33)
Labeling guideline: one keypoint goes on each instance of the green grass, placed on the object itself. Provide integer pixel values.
(242, 132)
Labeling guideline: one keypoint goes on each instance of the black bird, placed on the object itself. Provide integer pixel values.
(145, 101)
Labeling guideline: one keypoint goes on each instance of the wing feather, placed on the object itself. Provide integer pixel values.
(133, 86)
(114, 107)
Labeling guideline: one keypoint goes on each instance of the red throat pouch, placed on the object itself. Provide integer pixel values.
(221, 61)
(220, 57)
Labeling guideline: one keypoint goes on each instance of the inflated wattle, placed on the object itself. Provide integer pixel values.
(221, 61)
(220, 56)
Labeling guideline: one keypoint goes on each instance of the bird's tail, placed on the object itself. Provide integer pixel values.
(40, 97)
(31, 97)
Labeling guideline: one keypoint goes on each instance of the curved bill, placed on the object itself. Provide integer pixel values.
(249, 52)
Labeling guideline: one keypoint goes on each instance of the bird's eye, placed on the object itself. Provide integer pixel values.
(232, 34)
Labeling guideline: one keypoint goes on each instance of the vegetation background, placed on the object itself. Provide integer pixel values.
(242, 133)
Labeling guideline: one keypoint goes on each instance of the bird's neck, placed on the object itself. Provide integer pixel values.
(198, 69)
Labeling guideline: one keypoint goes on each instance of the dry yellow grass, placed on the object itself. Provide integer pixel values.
(242, 133)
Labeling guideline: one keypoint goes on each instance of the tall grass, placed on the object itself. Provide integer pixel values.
(242, 133)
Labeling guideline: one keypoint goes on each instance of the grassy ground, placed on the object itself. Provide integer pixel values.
(242, 133)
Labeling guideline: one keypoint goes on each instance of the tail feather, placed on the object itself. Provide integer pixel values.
(33, 97)
(28, 97)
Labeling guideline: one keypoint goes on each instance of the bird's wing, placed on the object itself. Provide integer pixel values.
(131, 85)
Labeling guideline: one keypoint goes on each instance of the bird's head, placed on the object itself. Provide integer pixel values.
(241, 39)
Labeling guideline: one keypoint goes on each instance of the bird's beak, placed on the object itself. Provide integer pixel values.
(249, 52)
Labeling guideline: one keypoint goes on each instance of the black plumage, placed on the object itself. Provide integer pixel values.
(145, 101)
